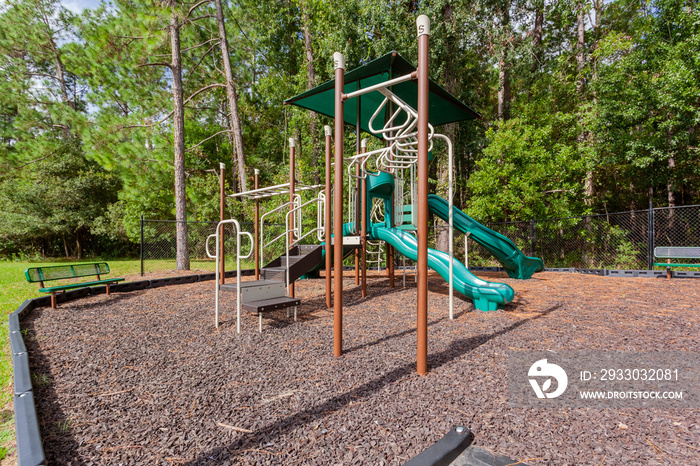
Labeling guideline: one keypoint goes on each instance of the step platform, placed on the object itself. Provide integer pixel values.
(248, 284)
(271, 304)
(256, 290)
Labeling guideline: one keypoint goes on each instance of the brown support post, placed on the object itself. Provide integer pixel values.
(363, 222)
(53, 300)
(327, 220)
(339, 64)
(390, 248)
(387, 251)
(292, 178)
(107, 288)
(390, 265)
(423, 24)
(256, 227)
(222, 206)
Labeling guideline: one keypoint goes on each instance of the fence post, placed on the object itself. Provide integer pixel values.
(650, 237)
(141, 254)
(532, 237)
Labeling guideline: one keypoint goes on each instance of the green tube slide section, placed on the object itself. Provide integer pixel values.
(487, 296)
(516, 264)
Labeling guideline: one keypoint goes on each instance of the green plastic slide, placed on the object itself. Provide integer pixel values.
(487, 296)
(517, 264)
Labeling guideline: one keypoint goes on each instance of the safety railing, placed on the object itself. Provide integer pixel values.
(296, 213)
(238, 234)
(263, 245)
(352, 202)
(321, 216)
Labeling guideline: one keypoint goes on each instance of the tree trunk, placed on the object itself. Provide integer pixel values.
(232, 97)
(580, 47)
(182, 258)
(310, 83)
(450, 130)
(670, 183)
(78, 244)
(58, 63)
(598, 6)
(229, 136)
(537, 31)
(580, 82)
(504, 94)
(61, 76)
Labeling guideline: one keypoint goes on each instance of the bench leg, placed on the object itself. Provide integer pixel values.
(53, 300)
(260, 322)
(107, 288)
(668, 272)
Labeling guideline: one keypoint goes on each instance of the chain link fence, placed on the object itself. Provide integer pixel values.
(159, 250)
(621, 240)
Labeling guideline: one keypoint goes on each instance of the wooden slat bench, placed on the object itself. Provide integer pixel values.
(62, 272)
(669, 253)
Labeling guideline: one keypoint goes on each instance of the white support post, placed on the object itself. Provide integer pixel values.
(452, 234)
(466, 250)
(238, 279)
(216, 282)
(450, 206)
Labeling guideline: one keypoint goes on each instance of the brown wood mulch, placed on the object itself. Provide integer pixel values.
(145, 378)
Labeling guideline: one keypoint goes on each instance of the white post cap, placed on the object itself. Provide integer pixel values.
(423, 23)
(363, 143)
(327, 130)
(222, 166)
(256, 171)
(338, 61)
(291, 142)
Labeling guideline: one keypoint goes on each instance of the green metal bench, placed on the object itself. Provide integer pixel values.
(63, 272)
(669, 253)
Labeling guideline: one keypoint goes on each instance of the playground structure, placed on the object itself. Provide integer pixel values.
(379, 208)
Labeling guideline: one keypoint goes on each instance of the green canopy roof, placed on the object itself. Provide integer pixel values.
(444, 108)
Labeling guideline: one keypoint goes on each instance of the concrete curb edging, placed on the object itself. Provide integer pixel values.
(30, 450)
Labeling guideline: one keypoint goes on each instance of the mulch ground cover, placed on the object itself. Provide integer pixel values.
(145, 378)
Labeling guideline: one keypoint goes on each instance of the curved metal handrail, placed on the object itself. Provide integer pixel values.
(238, 234)
(300, 236)
(262, 228)
(321, 216)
